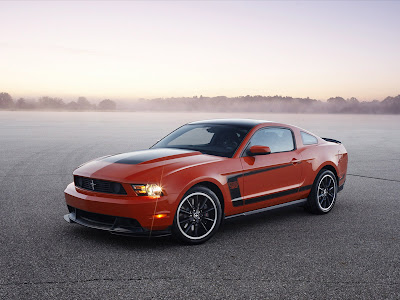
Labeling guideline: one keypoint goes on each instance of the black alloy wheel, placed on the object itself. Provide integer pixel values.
(323, 193)
(198, 216)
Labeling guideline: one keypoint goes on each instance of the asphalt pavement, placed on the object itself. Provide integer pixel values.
(351, 253)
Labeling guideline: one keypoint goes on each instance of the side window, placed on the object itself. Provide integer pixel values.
(308, 139)
(277, 139)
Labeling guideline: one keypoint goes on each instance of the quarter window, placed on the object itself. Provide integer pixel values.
(277, 139)
(308, 139)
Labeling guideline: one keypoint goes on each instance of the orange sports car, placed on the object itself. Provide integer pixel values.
(205, 172)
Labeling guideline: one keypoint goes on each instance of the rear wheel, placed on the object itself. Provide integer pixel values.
(198, 216)
(323, 193)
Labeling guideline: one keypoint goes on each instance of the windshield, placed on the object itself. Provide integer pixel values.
(219, 140)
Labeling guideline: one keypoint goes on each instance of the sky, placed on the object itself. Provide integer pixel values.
(128, 50)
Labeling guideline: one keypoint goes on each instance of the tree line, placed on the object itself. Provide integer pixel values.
(258, 103)
(272, 104)
(50, 103)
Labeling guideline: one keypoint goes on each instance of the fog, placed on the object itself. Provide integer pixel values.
(266, 104)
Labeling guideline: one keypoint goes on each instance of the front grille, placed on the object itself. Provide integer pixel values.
(105, 222)
(101, 186)
(98, 218)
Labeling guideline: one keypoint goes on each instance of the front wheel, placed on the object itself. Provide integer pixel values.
(198, 216)
(323, 193)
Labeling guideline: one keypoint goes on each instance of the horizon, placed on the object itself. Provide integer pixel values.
(125, 101)
(130, 50)
(272, 104)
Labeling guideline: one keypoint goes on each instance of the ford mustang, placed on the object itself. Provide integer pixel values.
(204, 172)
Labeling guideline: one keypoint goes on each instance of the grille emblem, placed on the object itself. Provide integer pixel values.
(92, 184)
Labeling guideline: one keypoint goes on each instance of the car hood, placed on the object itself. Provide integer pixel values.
(145, 165)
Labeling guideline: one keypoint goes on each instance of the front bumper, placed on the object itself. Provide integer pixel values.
(139, 208)
(112, 224)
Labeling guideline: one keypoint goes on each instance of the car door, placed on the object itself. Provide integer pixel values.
(273, 178)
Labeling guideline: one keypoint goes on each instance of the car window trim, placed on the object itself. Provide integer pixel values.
(266, 127)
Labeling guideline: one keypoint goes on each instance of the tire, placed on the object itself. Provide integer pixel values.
(197, 217)
(323, 193)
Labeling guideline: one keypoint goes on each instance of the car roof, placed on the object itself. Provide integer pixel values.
(248, 123)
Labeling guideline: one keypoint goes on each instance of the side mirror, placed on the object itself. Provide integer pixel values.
(259, 150)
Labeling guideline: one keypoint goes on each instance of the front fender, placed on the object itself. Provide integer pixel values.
(196, 181)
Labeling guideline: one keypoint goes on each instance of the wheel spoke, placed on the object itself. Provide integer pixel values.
(323, 201)
(190, 204)
(196, 229)
(185, 211)
(208, 210)
(208, 219)
(327, 182)
(204, 226)
(328, 202)
(188, 228)
(185, 220)
(204, 203)
(323, 182)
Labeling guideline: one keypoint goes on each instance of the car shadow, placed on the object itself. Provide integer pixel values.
(236, 226)
(106, 238)
(245, 223)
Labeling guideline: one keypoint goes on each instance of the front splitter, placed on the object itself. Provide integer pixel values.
(116, 228)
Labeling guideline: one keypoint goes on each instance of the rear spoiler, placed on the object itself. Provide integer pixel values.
(331, 140)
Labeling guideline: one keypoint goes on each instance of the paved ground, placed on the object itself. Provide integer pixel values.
(353, 252)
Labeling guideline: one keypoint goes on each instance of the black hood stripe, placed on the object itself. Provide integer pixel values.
(137, 157)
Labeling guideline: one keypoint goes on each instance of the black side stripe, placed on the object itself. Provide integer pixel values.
(238, 201)
(277, 195)
(233, 183)
(266, 169)
(234, 189)
(305, 188)
(271, 196)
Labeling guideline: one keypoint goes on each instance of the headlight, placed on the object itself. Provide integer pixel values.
(153, 190)
(148, 189)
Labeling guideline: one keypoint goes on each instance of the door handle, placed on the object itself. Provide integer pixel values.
(295, 161)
